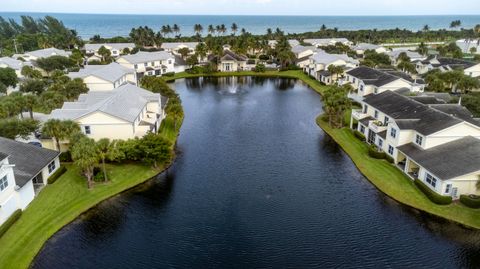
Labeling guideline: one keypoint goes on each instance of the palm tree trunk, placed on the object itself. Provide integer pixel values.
(105, 179)
(31, 113)
(57, 141)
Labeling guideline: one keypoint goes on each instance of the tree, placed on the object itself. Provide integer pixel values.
(283, 51)
(29, 72)
(192, 60)
(34, 86)
(473, 50)
(455, 24)
(14, 127)
(335, 103)
(155, 148)
(8, 77)
(30, 102)
(59, 130)
(376, 59)
(56, 62)
(77, 57)
(407, 66)
(176, 29)
(423, 49)
(201, 50)
(175, 110)
(184, 52)
(105, 53)
(426, 28)
(107, 150)
(234, 28)
(85, 156)
(198, 29)
(211, 29)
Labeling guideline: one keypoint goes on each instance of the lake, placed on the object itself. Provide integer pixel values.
(257, 184)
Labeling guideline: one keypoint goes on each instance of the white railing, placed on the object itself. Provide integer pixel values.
(376, 126)
(358, 114)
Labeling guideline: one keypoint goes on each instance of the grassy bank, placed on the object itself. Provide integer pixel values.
(297, 74)
(394, 183)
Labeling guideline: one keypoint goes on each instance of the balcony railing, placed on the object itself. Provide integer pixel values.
(358, 114)
(377, 126)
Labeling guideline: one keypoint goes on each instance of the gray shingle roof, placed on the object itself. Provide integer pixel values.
(372, 76)
(45, 53)
(3, 156)
(410, 114)
(144, 56)
(125, 102)
(462, 155)
(111, 72)
(29, 160)
(118, 46)
(456, 110)
(13, 63)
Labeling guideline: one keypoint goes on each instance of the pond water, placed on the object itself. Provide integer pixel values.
(257, 185)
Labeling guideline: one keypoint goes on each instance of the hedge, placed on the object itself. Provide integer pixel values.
(65, 157)
(432, 195)
(56, 175)
(10, 221)
(359, 135)
(374, 153)
(389, 158)
(472, 201)
(169, 74)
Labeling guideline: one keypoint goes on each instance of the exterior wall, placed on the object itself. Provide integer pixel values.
(231, 66)
(97, 84)
(451, 134)
(473, 71)
(154, 64)
(46, 174)
(106, 126)
(465, 184)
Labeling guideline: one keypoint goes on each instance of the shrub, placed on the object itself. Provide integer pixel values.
(56, 175)
(432, 195)
(264, 57)
(359, 135)
(10, 221)
(259, 68)
(389, 158)
(65, 157)
(98, 175)
(374, 153)
(251, 61)
(472, 201)
(169, 74)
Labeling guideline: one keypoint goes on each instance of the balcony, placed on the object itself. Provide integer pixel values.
(358, 114)
(377, 126)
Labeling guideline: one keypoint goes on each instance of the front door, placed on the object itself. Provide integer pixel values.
(455, 193)
(371, 137)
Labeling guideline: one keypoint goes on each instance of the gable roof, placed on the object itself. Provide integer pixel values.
(325, 41)
(411, 54)
(144, 56)
(366, 46)
(118, 46)
(371, 76)
(327, 58)
(29, 160)
(45, 53)
(463, 154)
(125, 102)
(410, 114)
(110, 72)
(175, 45)
(449, 63)
(13, 63)
(228, 55)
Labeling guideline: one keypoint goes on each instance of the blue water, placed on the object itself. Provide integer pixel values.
(88, 25)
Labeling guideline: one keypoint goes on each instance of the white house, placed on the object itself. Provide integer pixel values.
(43, 53)
(320, 61)
(323, 42)
(292, 42)
(303, 54)
(116, 49)
(24, 169)
(229, 62)
(174, 47)
(149, 63)
(360, 48)
(448, 64)
(105, 77)
(126, 112)
(395, 123)
(414, 56)
(466, 45)
(15, 64)
(366, 80)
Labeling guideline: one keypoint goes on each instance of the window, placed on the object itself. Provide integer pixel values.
(390, 150)
(146, 64)
(430, 180)
(3, 183)
(353, 80)
(418, 139)
(376, 114)
(51, 167)
(380, 143)
(87, 130)
(362, 129)
(365, 109)
(393, 133)
(169, 61)
(375, 90)
(385, 121)
(448, 188)
(136, 66)
(361, 88)
(153, 63)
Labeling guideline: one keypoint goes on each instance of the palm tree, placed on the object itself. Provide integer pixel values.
(211, 29)
(243, 31)
(164, 30)
(176, 29)
(269, 33)
(201, 50)
(198, 29)
(175, 110)
(426, 28)
(218, 29)
(107, 150)
(476, 29)
(234, 28)
(31, 100)
(85, 156)
(59, 130)
(169, 29)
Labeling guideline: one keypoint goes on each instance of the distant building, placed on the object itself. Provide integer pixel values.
(105, 77)
(320, 61)
(414, 56)
(229, 61)
(24, 170)
(360, 48)
(448, 64)
(323, 42)
(149, 63)
(174, 47)
(43, 53)
(466, 45)
(116, 49)
(15, 64)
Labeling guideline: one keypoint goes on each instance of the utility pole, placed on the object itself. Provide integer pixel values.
(15, 44)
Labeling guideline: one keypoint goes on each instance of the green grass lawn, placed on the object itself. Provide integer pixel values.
(391, 181)
(59, 204)
(298, 74)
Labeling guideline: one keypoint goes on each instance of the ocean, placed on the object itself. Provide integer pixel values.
(111, 25)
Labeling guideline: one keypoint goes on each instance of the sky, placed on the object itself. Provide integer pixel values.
(248, 7)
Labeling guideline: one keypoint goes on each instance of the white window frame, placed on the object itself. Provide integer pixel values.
(3, 183)
(375, 114)
(419, 139)
(431, 180)
(393, 132)
(87, 129)
(51, 167)
(390, 149)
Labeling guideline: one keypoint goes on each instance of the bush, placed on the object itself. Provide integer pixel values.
(472, 201)
(65, 157)
(10, 221)
(259, 68)
(374, 153)
(432, 195)
(56, 175)
(389, 158)
(98, 174)
(169, 74)
(359, 135)
(251, 61)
